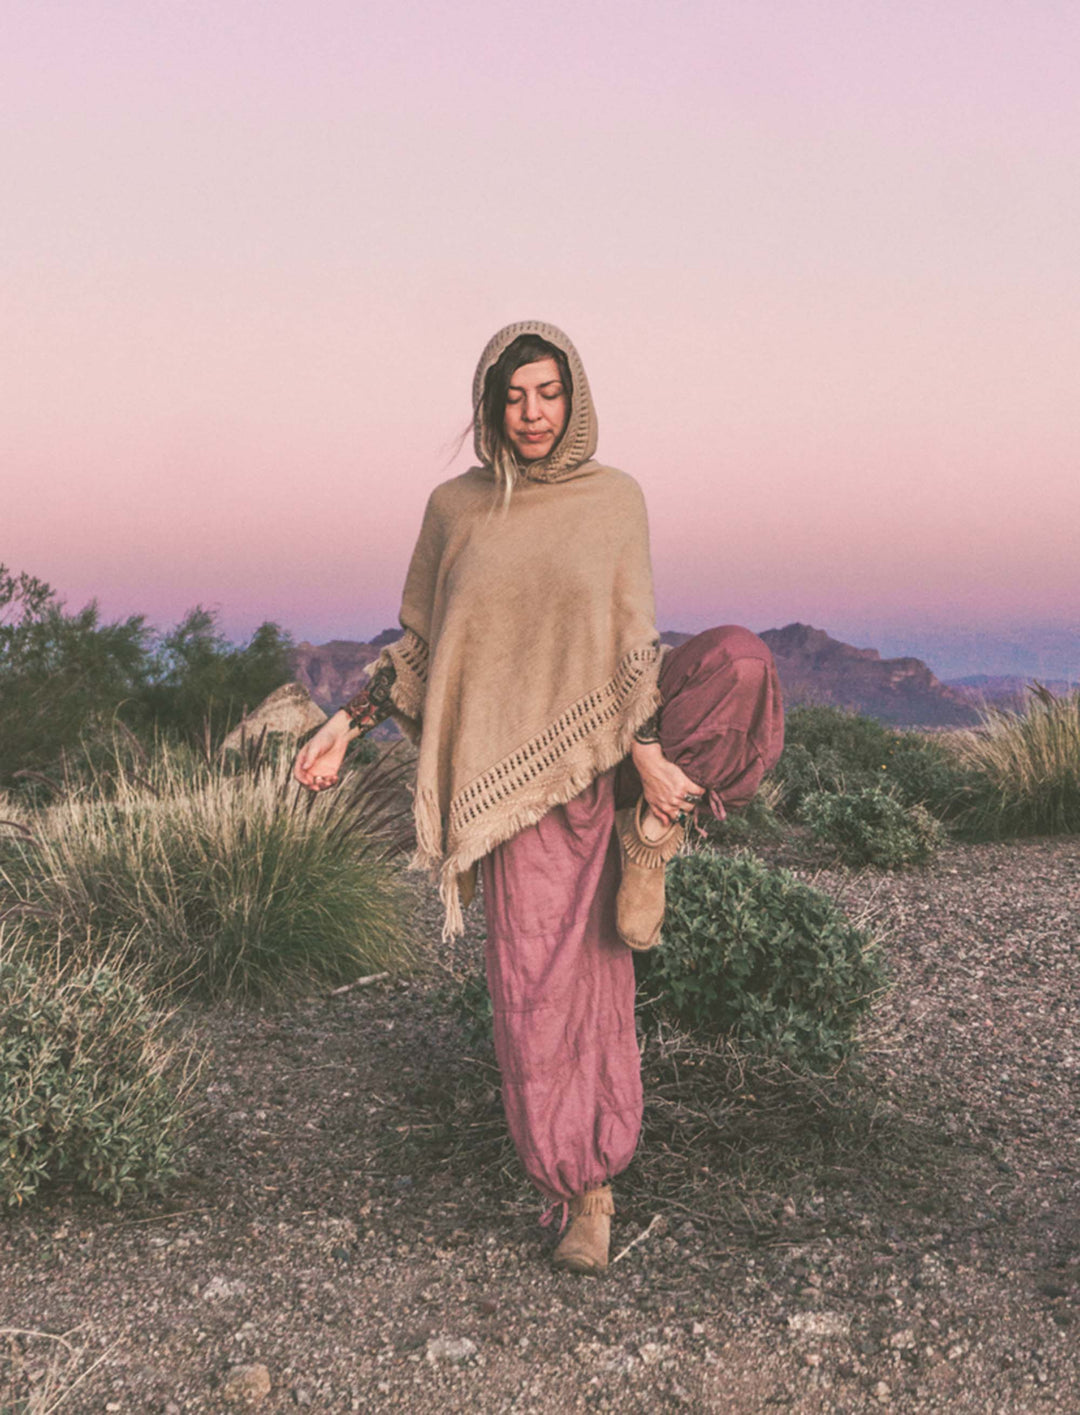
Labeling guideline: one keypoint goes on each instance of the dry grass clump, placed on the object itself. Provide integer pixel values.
(220, 879)
(1024, 768)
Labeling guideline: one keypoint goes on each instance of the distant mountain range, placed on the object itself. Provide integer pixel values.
(813, 667)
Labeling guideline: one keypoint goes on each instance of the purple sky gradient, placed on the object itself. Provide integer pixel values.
(820, 260)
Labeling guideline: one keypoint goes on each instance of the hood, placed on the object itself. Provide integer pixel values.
(578, 442)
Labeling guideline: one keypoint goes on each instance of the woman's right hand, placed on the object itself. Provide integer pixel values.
(319, 761)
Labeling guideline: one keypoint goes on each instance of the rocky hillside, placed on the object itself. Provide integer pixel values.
(332, 673)
(813, 668)
(1006, 690)
(902, 691)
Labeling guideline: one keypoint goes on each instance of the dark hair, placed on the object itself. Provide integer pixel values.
(526, 349)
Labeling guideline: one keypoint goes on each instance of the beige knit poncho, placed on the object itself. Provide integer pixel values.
(530, 652)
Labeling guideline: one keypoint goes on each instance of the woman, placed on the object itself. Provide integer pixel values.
(529, 669)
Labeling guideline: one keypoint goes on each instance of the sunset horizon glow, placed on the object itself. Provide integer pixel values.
(819, 260)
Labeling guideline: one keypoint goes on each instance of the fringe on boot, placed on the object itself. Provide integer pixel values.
(586, 1243)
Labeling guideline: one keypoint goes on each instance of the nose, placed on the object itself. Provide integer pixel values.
(532, 405)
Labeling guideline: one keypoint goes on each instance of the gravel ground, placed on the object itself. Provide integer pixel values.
(332, 1244)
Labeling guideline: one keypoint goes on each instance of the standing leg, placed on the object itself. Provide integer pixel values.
(562, 992)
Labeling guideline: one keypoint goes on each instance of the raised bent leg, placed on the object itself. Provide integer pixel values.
(722, 718)
(722, 722)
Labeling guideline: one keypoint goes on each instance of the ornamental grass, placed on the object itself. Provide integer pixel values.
(1024, 768)
(220, 878)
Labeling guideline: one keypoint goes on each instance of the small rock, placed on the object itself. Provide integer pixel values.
(618, 1361)
(301, 1395)
(247, 1384)
(902, 1340)
(882, 1391)
(812, 1359)
(820, 1323)
(450, 1348)
(219, 1289)
(651, 1352)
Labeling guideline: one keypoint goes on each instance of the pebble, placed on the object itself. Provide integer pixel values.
(219, 1289)
(820, 1323)
(651, 1352)
(450, 1348)
(247, 1383)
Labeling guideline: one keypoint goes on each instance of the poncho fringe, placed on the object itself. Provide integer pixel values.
(593, 735)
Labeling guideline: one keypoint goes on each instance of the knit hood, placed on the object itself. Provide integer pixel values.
(578, 442)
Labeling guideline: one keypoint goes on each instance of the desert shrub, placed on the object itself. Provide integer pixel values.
(752, 824)
(60, 673)
(754, 953)
(829, 749)
(470, 1003)
(221, 881)
(92, 1088)
(872, 827)
(200, 684)
(67, 678)
(1023, 769)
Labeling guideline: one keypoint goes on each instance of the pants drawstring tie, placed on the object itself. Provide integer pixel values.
(548, 1216)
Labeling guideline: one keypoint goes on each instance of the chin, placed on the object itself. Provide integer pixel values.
(533, 453)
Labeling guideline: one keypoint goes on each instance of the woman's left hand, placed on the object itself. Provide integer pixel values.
(666, 787)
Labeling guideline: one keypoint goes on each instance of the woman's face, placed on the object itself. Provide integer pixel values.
(535, 409)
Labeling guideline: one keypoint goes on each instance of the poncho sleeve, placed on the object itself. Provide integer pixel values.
(409, 656)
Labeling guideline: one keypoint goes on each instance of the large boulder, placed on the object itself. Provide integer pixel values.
(289, 710)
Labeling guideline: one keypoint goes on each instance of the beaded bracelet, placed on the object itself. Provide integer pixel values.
(374, 703)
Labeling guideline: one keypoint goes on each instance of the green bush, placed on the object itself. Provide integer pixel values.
(200, 685)
(871, 827)
(66, 679)
(470, 1003)
(754, 953)
(222, 881)
(1024, 769)
(92, 1091)
(829, 749)
(755, 823)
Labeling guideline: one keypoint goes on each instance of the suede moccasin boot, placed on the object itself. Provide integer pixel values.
(584, 1247)
(639, 907)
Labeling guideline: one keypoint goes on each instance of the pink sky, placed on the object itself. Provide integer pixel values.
(820, 260)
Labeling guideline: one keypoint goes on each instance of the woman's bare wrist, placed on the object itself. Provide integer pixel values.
(342, 726)
(647, 752)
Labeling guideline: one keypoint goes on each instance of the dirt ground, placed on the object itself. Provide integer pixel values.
(352, 1221)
